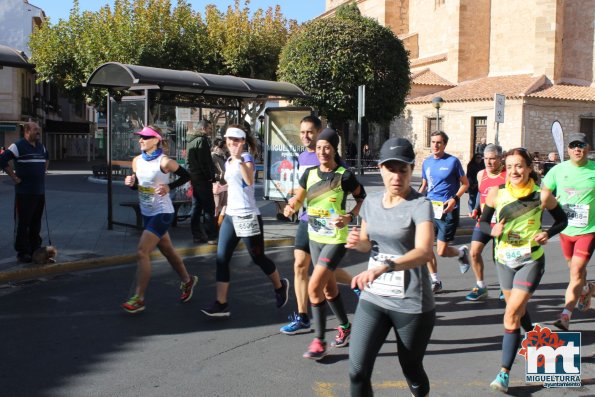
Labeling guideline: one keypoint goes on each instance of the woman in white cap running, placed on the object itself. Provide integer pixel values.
(242, 222)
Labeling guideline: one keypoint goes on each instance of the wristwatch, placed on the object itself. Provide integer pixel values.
(389, 263)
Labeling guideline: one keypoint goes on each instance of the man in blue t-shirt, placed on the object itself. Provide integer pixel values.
(30, 166)
(444, 179)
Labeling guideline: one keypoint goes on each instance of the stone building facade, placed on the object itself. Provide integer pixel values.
(539, 53)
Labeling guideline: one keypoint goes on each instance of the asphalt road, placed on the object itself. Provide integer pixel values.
(67, 336)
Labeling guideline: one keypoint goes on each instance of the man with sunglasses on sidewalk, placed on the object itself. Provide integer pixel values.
(574, 182)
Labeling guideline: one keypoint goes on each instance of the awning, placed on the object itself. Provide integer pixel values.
(14, 58)
(133, 77)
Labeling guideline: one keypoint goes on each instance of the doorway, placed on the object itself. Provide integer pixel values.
(480, 134)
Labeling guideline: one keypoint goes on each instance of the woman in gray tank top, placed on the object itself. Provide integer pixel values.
(397, 230)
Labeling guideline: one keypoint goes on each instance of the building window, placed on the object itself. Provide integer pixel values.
(431, 126)
(587, 127)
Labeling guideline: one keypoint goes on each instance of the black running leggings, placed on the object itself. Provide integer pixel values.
(370, 328)
(228, 241)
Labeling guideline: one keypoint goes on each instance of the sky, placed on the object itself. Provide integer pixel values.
(301, 11)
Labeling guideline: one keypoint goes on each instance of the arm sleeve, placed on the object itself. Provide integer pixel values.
(560, 221)
(485, 221)
(349, 183)
(183, 177)
(247, 157)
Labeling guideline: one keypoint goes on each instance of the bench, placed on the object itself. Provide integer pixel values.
(139, 216)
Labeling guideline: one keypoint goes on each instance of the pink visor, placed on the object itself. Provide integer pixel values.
(148, 131)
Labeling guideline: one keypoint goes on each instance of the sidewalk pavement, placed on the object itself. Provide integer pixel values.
(76, 207)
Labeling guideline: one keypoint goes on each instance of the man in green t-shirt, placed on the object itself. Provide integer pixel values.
(574, 182)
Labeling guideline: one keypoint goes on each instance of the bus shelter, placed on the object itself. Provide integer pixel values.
(174, 100)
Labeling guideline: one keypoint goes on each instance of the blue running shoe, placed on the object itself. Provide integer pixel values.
(501, 382)
(296, 326)
(477, 293)
(464, 263)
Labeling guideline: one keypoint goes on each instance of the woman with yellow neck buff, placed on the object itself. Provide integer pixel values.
(520, 259)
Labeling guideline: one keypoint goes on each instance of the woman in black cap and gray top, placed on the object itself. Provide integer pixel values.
(397, 229)
(326, 187)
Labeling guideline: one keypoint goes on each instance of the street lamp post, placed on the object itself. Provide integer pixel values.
(437, 103)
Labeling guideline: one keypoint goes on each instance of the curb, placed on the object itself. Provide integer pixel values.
(27, 273)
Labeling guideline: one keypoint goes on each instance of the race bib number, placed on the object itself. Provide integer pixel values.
(246, 226)
(322, 226)
(389, 284)
(578, 214)
(146, 195)
(514, 255)
(438, 207)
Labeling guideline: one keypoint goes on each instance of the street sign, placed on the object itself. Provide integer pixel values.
(499, 107)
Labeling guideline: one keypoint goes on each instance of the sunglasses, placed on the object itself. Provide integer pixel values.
(574, 145)
(144, 138)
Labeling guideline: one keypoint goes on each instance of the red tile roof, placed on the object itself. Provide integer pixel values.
(516, 86)
(427, 77)
(565, 92)
(485, 88)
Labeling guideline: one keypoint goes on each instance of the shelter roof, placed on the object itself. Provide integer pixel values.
(14, 58)
(134, 77)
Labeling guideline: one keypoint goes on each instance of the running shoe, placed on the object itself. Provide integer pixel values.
(296, 326)
(501, 382)
(134, 305)
(188, 288)
(501, 297)
(216, 310)
(436, 286)
(316, 350)
(282, 295)
(584, 301)
(342, 338)
(563, 322)
(477, 294)
(464, 263)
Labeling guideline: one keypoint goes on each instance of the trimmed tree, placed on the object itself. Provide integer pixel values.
(156, 33)
(329, 58)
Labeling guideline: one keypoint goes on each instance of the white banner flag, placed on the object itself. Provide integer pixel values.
(558, 138)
